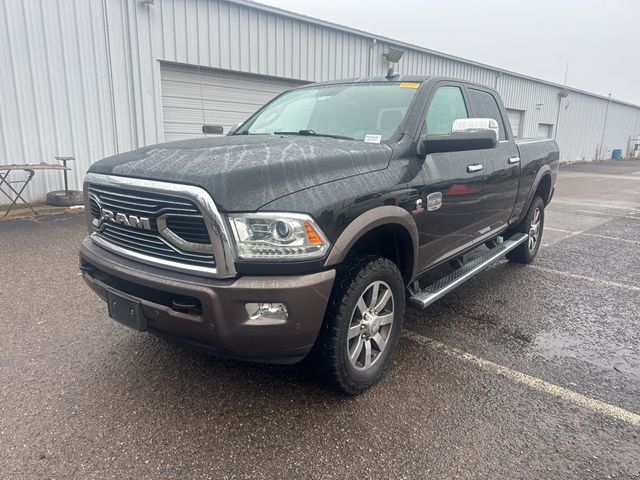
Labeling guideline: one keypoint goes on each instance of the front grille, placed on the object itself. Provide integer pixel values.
(192, 229)
(182, 217)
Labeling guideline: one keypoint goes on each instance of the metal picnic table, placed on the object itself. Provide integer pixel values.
(30, 169)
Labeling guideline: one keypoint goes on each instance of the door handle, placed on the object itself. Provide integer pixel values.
(513, 160)
(476, 167)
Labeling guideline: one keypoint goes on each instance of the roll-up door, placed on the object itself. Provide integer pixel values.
(515, 119)
(192, 97)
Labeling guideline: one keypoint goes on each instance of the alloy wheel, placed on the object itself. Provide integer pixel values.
(370, 326)
(534, 229)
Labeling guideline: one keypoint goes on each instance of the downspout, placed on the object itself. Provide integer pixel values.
(564, 93)
(110, 70)
(555, 131)
(635, 135)
(495, 85)
(370, 59)
(604, 128)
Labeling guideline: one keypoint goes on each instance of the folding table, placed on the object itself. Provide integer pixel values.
(31, 170)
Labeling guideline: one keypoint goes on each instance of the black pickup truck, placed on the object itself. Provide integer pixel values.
(304, 232)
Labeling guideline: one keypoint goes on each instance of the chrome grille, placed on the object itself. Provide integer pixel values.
(192, 229)
(182, 214)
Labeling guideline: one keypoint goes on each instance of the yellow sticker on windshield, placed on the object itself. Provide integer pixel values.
(409, 85)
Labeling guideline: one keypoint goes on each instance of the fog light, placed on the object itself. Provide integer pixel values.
(267, 311)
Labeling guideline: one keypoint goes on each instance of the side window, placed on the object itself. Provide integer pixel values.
(446, 106)
(485, 106)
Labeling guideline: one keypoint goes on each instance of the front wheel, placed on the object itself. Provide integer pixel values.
(532, 225)
(362, 325)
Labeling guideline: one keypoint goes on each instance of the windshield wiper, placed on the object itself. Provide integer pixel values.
(312, 133)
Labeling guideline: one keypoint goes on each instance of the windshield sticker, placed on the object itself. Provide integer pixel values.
(370, 138)
(409, 85)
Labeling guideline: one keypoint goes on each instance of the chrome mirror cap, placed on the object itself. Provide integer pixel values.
(467, 125)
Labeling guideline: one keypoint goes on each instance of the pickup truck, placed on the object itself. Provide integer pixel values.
(304, 232)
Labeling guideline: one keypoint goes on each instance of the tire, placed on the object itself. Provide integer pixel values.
(60, 198)
(533, 226)
(352, 364)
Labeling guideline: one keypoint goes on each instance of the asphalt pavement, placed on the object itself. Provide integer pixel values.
(523, 372)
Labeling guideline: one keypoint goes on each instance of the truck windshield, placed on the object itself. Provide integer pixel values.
(358, 111)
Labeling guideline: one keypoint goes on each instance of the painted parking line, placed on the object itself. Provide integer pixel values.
(597, 235)
(572, 233)
(607, 283)
(570, 202)
(595, 212)
(530, 381)
(611, 176)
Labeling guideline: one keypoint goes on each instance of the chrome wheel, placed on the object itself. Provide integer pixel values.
(370, 326)
(534, 229)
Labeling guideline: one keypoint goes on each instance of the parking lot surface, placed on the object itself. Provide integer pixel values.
(523, 372)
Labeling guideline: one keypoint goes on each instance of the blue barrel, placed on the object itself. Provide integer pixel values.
(617, 154)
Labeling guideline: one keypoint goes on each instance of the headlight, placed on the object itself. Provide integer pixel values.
(287, 236)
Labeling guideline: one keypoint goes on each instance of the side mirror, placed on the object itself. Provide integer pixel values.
(466, 134)
(212, 129)
(233, 128)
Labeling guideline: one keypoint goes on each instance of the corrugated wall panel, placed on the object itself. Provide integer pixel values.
(82, 77)
(54, 80)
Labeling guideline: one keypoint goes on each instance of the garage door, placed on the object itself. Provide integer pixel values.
(515, 119)
(544, 130)
(192, 97)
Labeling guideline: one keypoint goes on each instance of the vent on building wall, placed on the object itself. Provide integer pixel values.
(393, 55)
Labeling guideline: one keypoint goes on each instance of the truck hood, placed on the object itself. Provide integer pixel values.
(243, 172)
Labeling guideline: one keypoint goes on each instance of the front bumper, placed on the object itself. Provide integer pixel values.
(221, 324)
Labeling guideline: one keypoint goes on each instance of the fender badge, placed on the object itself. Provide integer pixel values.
(434, 201)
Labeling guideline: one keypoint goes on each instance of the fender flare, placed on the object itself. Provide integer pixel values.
(544, 170)
(366, 222)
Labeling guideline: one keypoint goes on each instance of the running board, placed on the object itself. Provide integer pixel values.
(423, 297)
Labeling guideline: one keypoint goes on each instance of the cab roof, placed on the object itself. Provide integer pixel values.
(398, 78)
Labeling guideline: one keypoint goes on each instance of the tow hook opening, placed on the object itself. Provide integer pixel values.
(187, 305)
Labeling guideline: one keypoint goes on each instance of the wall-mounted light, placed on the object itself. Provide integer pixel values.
(148, 2)
(393, 55)
(539, 106)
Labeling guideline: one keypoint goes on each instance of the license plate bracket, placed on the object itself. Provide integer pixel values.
(127, 310)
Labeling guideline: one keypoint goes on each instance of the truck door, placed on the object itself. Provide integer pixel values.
(449, 211)
(501, 164)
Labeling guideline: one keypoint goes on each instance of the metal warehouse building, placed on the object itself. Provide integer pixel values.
(90, 78)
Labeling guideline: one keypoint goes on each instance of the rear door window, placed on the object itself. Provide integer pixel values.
(485, 106)
(447, 105)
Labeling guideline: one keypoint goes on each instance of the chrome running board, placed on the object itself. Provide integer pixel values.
(423, 297)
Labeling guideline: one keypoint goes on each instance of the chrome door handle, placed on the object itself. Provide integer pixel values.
(513, 160)
(476, 167)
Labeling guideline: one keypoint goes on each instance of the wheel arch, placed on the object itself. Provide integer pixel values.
(543, 179)
(390, 229)
(544, 188)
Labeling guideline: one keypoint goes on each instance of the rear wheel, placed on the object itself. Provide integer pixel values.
(362, 325)
(532, 225)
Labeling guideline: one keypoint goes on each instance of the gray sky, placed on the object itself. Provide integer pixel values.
(600, 39)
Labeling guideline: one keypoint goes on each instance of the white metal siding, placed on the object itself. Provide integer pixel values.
(83, 77)
(193, 96)
(55, 95)
(515, 119)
